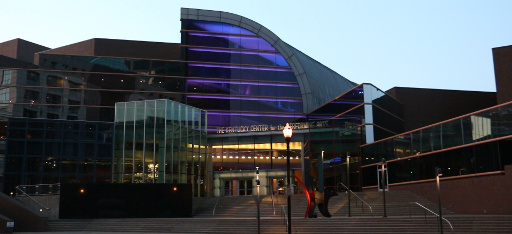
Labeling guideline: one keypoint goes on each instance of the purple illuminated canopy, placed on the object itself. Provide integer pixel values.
(257, 114)
(206, 34)
(273, 57)
(243, 41)
(240, 67)
(220, 27)
(219, 50)
(242, 83)
(245, 98)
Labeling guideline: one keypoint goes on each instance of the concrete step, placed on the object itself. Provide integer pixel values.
(461, 224)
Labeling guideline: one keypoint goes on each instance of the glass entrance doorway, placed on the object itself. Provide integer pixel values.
(238, 187)
(278, 185)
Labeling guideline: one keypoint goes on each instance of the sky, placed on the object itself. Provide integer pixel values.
(439, 44)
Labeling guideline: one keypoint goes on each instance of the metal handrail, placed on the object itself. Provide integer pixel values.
(284, 214)
(273, 204)
(215, 206)
(433, 213)
(371, 210)
(39, 189)
(46, 208)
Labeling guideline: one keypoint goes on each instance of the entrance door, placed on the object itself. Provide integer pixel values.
(278, 185)
(237, 187)
(245, 187)
(228, 188)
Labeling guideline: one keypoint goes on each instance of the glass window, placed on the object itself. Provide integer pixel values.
(6, 77)
(31, 96)
(4, 95)
(33, 164)
(15, 165)
(250, 88)
(234, 72)
(33, 78)
(54, 81)
(236, 56)
(216, 27)
(53, 98)
(52, 148)
(228, 41)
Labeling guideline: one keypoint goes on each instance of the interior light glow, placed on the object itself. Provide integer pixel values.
(260, 146)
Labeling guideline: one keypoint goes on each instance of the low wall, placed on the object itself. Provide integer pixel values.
(6, 225)
(25, 220)
(484, 194)
(39, 204)
(97, 201)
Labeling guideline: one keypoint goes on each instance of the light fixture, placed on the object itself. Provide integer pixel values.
(287, 133)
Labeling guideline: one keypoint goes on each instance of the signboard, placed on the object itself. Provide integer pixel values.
(265, 128)
(10, 224)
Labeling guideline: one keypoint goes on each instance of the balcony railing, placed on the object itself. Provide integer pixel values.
(38, 189)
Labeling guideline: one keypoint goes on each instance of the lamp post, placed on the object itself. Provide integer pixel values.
(384, 185)
(258, 191)
(287, 133)
(438, 174)
(348, 183)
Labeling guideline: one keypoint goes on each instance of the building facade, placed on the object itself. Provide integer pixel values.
(247, 83)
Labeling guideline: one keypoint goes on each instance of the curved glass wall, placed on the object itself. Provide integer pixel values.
(242, 76)
(160, 141)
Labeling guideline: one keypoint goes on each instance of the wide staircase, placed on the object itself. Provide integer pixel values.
(239, 215)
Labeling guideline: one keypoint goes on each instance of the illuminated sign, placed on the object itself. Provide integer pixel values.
(265, 128)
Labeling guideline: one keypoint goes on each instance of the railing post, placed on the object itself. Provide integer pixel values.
(424, 211)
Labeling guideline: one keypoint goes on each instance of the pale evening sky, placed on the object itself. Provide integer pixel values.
(427, 44)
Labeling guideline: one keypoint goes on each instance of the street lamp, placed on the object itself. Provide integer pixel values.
(438, 174)
(287, 133)
(348, 183)
(258, 191)
(384, 185)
